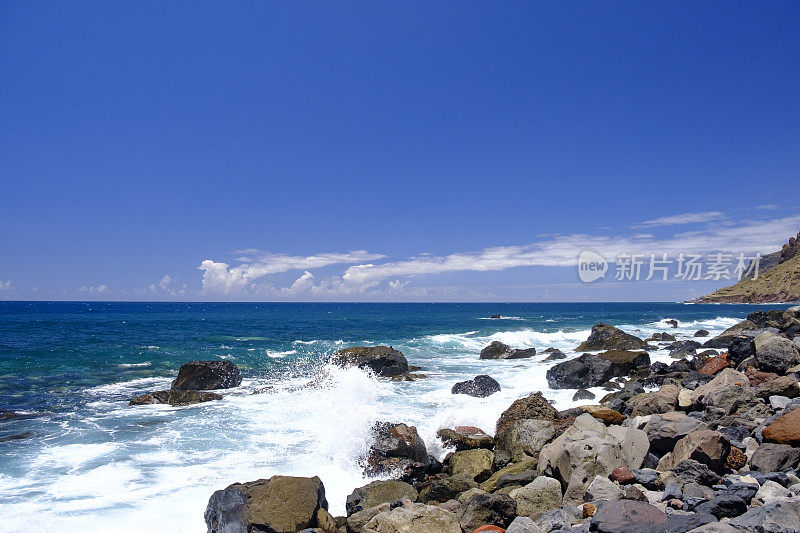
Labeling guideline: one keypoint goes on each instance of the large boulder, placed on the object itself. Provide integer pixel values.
(774, 353)
(441, 488)
(726, 377)
(605, 337)
(207, 375)
(472, 464)
(480, 386)
(397, 450)
(705, 446)
(533, 406)
(465, 438)
(384, 361)
(778, 386)
(785, 430)
(537, 497)
(379, 492)
(487, 509)
(623, 362)
(280, 504)
(524, 438)
(414, 518)
(663, 400)
(770, 457)
(732, 399)
(665, 430)
(781, 516)
(589, 448)
(581, 372)
(499, 350)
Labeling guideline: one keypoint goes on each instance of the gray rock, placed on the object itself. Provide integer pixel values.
(523, 524)
(524, 438)
(705, 446)
(543, 494)
(774, 353)
(771, 490)
(628, 516)
(379, 492)
(482, 509)
(723, 506)
(779, 402)
(680, 523)
(665, 430)
(480, 386)
(774, 517)
(602, 489)
(774, 457)
(415, 518)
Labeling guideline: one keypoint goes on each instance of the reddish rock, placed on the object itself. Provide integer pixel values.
(493, 529)
(714, 365)
(622, 475)
(757, 377)
(785, 430)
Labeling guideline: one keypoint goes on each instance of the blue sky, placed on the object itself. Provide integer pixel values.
(377, 151)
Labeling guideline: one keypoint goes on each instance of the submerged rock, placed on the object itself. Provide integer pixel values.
(384, 361)
(606, 337)
(280, 504)
(480, 386)
(176, 398)
(207, 375)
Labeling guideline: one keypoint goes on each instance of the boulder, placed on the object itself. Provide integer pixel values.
(533, 406)
(555, 355)
(379, 492)
(384, 361)
(628, 516)
(771, 490)
(662, 337)
(663, 400)
(774, 457)
(683, 349)
(690, 471)
(602, 489)
(625, 361)
(472, 464)
(723, 506)
(280, 504)
(785, 430)
(414, 518)
(726, 377)
(774, 353)
(581, 372)
(622, 475)
(705, 446)
(582, 394)
(781, 516)
(480, 386)
(498, 350)
(521, 469)
(466, 438)
(524, 438)
(665, 430)
(732, 399)
(672, 323)
(778, 386)
(207, 375)
(397, 449)
(441, 488)
(701, 333)
(176, 398)
(541, 495)
(487, 509)
(589, 448)
(605, 337)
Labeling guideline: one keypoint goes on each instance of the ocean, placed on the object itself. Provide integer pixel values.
(89, 459)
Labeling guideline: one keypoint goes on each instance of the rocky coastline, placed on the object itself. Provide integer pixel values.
(707, 443)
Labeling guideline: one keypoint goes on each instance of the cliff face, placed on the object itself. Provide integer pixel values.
(778, 280)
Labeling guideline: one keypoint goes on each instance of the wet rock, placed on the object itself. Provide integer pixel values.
(627, 516)
(384, 361)
(487, 509)
(541, 495)
(774, 353)
(280, 504)
(176, 398)
(582, 372)
(589, 448)
(672, 323)
(379, 492)
(414, 518)
(624, 362)
(555, 355)
(17, 436)
(701, 333)
(606, 337)
(498, 350)
(582, 394)
(472, 464)
(480, 386)
(397, 449)
(785, 430)
(534, 406)
(207, 375)
(662, 337)
(774, 457)
(774, 517)
(466, 438)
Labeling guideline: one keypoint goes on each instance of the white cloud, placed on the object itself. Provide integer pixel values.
(165, 281)
(767, 207)
(94, 290)
(6, 285)
(222, 278)
(685, 218)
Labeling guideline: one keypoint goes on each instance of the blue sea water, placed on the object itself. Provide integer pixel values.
(89, 458)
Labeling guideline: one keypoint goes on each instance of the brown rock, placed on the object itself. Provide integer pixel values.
(534, 406)
(622, 475)
(757, 377)
(714, 365)
(629, 515)
(608, 416)
(466, 438)
(705, 446)
(785, 430)
(589, 510)
(736, 459)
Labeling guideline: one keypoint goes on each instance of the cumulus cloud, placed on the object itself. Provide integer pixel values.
(94, 290)
(6, 285)
(685, 218)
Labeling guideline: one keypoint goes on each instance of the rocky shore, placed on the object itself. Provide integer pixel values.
(708, 443)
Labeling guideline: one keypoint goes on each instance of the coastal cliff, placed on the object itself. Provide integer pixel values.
(778, 280)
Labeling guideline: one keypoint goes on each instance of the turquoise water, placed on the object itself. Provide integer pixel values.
(71, 367)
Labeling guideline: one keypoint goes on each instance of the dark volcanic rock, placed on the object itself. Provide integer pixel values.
(774, 517)
(280, 504)
(623, 362)
(701, 333)
(627, 516)
(582, 394)
(723, 506)
(384, 361)
(398, 449)
(207, 375)
(774, 353)
(534, 406)
(605, 337)
(775, 457)
(555, 355)
(175, 398)
(492, 509)
(498, 350)
(379, 492)
(466, 438)
(481, 386)
(580, 373)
